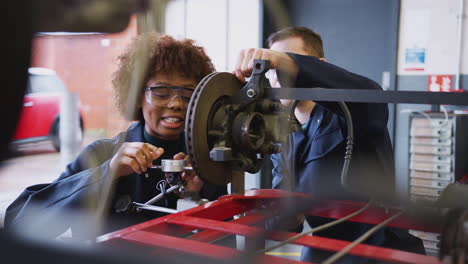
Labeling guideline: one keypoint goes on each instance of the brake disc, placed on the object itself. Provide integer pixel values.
(208, 97)
(231, 127)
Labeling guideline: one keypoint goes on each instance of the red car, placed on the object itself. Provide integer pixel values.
(40, 116)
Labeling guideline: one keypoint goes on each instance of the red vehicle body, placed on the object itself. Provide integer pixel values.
(40, 116)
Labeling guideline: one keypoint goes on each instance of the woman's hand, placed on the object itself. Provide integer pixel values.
(134, 157)
(193, 183)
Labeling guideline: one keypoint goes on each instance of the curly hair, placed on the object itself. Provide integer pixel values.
(165, 55)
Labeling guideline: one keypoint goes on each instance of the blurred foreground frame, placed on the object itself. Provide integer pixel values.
(110, 16)
(24, 18)
(53, 16)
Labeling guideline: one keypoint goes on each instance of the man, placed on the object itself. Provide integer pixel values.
(313, 157)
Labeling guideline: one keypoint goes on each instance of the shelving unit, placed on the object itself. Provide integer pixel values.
(438, 157)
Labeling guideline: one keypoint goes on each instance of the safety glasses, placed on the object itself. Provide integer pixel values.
(165, 95)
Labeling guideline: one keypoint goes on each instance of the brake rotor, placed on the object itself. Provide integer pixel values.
(206, 100)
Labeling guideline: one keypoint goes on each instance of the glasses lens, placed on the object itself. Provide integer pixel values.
(165, 95)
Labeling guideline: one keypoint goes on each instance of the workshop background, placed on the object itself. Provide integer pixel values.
(398, 44)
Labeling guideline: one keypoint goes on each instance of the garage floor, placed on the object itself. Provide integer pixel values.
(33, 164)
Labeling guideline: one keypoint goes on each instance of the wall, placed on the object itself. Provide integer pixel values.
(428, 45)
(223, 27)
(432, 25)
(358, 35)
(85, 63)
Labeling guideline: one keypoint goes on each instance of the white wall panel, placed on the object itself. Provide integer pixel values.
(176, 19)
(244, 28)
(207, 24)
(435, 24)
(223, 27)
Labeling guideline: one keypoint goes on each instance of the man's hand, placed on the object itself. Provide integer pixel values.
(193, 183)
(278, 60)
(134, 157)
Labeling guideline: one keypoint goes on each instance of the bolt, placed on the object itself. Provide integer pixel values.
(251, 93)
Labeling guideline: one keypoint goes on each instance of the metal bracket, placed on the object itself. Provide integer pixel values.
(254, 88)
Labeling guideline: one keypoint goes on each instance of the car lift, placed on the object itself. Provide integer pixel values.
(192, 231)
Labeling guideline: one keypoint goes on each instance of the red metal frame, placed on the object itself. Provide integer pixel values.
(174, 233)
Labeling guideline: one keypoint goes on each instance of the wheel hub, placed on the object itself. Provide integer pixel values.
(230, 127)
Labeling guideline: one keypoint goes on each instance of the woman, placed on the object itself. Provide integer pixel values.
(175, 68)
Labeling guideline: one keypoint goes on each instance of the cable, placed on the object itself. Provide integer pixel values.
(445, 115)
(349, 145)
(365, 236)
(161, 186)
(446, 120)
(316, 229)
(292, 122)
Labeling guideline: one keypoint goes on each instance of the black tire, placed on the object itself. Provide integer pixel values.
(55, 133)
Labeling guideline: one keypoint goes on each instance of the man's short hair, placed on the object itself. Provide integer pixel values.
(312, 41)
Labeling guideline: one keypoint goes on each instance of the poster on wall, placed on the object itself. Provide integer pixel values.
(415, 34)
(441, 83)
(415, 59)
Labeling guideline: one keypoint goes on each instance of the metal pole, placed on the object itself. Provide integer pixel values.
(238, 182)
(69, 128)
(461, 17)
